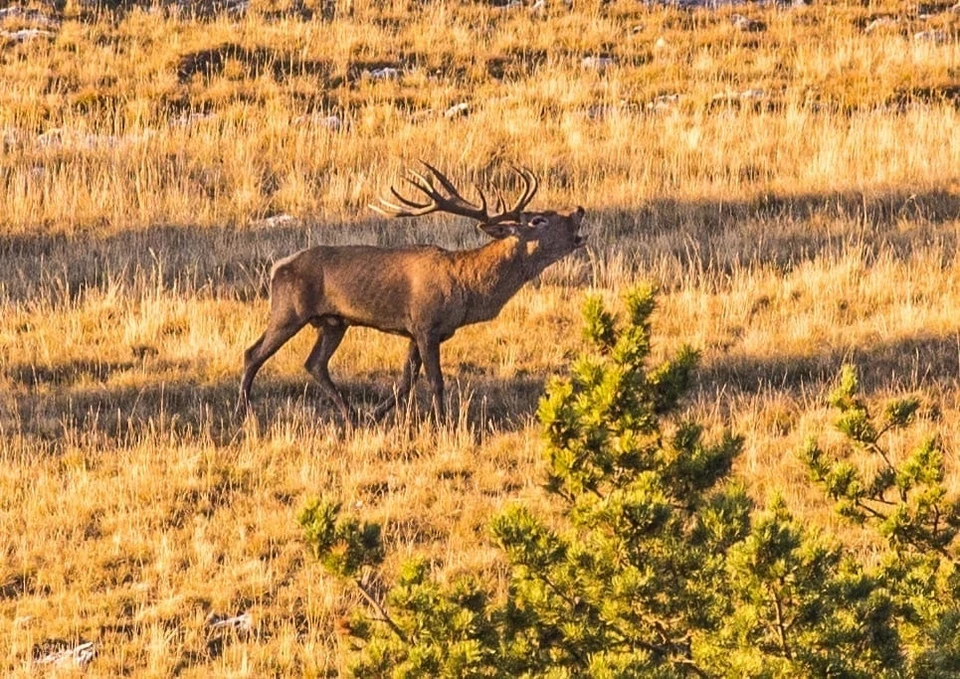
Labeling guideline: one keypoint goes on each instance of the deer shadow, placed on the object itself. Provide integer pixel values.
(51, 404)
(476, 401)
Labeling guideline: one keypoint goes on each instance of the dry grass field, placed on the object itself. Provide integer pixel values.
(793, 188)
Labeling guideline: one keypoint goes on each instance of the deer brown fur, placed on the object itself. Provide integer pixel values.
(423, 293)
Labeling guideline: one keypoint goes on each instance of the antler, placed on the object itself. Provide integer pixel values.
(453, 203)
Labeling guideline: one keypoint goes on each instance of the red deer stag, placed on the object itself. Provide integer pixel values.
(423, 293)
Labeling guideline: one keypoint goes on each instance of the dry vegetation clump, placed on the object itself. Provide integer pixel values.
(792, 185)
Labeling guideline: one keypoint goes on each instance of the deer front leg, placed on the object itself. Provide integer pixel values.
(429, 345)
(411, 368)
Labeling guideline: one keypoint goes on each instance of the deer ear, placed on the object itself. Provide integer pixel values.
(498, 230)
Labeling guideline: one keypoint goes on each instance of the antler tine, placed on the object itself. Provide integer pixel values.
(426, 190)
(408, 202)
(454, 202)
(501, 203)
(442, 178)
(483, 198)
(452, 190)
(530, 186)
(388, 209)
(418, 181)
(479, 212)
(402, 208)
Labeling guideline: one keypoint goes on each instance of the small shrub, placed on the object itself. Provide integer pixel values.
(907, 505)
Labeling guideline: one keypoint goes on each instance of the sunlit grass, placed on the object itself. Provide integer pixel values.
(794, 192)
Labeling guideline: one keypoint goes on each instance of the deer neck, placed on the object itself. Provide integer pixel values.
(490, 275)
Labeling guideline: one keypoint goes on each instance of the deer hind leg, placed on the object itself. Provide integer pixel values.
(331, 334)
(275, 336)
(411, 369)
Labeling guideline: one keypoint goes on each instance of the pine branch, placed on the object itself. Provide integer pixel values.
(384, 617)
(781, 625)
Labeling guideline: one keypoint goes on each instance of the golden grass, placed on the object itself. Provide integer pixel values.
(790, 231)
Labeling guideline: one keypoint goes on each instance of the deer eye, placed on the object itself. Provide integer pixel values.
(539, 221)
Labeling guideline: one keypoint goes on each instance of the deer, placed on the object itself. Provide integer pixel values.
(422, 292)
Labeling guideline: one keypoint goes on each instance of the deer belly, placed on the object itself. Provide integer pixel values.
(379, 317)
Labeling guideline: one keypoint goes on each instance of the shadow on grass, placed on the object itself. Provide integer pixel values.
(483, 403)
(122, 414)
(479, 401)
(69, 373)
(57, 410)
(928, 362)
(709, 237)
(254, 62)
(665, 235)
